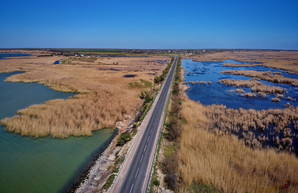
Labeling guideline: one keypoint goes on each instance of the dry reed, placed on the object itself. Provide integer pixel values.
(240, 65)
(284, 60)
(242, 122)
(108, 96)
(224, 161)
(72, 117)
(268, 76)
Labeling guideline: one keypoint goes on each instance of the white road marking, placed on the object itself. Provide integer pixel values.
(141, 158)
(131, 188)
(148, 138)
(137, 172)
(145, 147)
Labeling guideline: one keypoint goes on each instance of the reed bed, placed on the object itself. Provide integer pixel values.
(284, 60)
(240, 65)
(72, 117)
(268, 76)
(252, 124)
(224, 162)
(255, 86)
(240, 83)
(105, 98)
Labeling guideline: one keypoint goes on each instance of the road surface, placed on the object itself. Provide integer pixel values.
(135, 176)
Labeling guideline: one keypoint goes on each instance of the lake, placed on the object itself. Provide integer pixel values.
(44, 165)
(217, 93)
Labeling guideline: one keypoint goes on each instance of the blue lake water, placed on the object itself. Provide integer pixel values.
(6, 56)
(217, 93)
(44, 165)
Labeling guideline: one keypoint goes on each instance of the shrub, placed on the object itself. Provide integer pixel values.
(125, 137)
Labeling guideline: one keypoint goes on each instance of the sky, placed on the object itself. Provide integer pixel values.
(149, 24)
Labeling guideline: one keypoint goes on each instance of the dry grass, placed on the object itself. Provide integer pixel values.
(255, 86)
(106, 96)
(240, 83)
(284, 60)
(268, 76)
(73, 117)
(250, 124)
(240, 65)
(226, 163)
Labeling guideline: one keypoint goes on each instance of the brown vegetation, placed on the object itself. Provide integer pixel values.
(223, 161)
(255, 86)
(241, 122)
(200, 82)
(239, 90)
(275, 100)
(284, 60)
(76, 116)
(107, 97)
(268, 76)
(240, 83)
(249, 94)
(240, 65)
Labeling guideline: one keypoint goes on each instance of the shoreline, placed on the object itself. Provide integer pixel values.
(99, 157)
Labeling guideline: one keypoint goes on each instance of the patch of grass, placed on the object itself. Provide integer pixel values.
(203, 188)
(141, 84)
(159, 79)
(147, 84)
(109, 181)
(124, 137)
(268, 76)
(169, 150)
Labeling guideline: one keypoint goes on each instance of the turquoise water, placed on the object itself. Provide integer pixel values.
(44, 165)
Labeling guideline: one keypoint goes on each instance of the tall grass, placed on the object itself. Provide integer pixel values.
(106, 96)
(268, 76)
(255, 86)
(284, 60)
(72, 117)
(224, 161)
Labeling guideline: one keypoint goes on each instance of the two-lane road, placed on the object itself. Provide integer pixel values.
(137, 176)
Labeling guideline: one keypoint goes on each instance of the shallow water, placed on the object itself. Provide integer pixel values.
(221, 94)
(216, 93)
(44, 165)
(6, 56)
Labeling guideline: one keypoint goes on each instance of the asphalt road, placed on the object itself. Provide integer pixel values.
(135, 178)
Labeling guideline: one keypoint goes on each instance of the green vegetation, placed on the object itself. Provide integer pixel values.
(115, 168)
(169, 165)
(124, 137)
(203, 188)
(141, 84)
(160, 78)
(109, 181)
